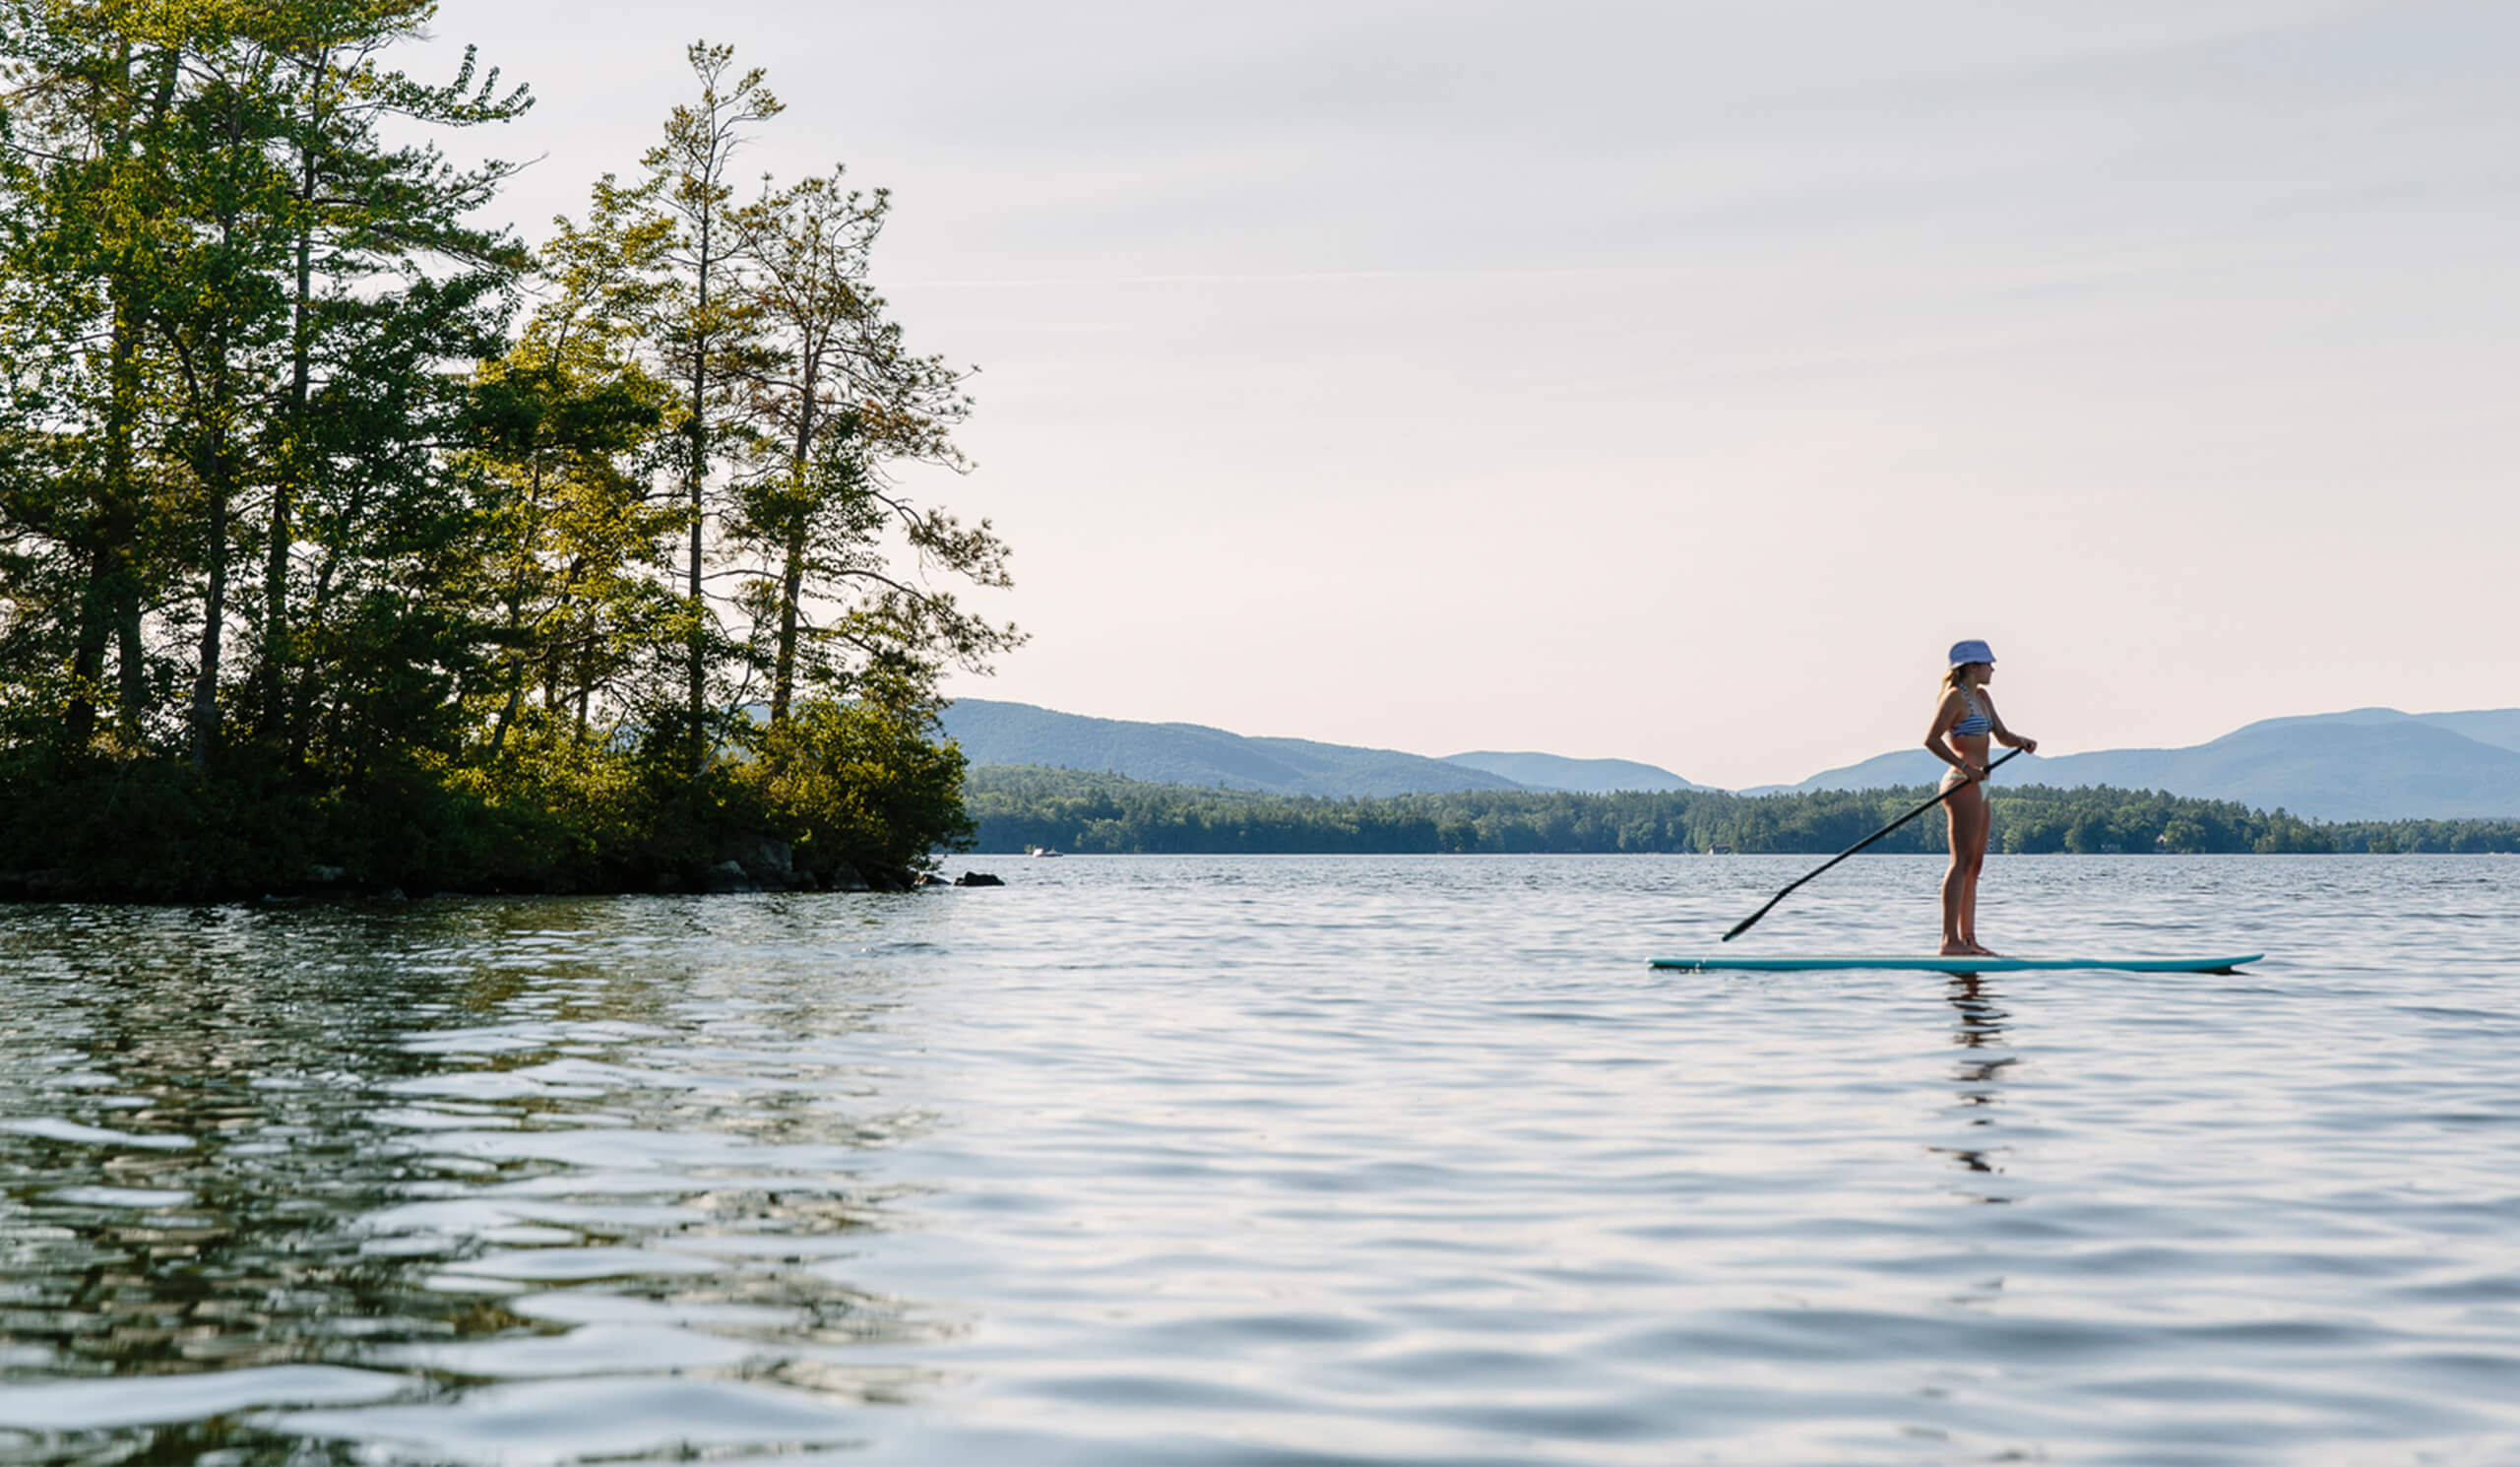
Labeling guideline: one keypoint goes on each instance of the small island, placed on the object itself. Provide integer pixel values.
(349, 544)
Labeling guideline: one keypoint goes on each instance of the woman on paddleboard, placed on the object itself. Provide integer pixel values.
(1964, 722)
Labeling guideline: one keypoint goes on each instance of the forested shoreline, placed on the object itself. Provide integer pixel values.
(348, 540)
(1016, 808)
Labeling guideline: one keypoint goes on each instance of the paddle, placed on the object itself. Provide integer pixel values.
(1743, 924)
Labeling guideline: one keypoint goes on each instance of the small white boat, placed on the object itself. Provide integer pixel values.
(1044, 851)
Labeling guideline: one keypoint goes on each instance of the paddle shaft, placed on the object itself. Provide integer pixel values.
(1745, 924)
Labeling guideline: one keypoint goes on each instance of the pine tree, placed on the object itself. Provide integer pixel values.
(705, 330)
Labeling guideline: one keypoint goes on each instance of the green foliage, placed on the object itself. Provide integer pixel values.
(813, 502)
(279, 591)
(1016, 808)
(862, 783)
(2438, 836)
(161, 830)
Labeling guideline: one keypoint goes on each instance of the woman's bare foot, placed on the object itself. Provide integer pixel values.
(1952, 949)
(1980, 950)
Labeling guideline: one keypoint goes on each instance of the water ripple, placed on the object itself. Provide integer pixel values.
(1237, 1161)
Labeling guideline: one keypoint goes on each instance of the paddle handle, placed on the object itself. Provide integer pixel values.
(1746, 923)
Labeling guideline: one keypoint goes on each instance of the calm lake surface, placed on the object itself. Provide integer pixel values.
(1251, 1160)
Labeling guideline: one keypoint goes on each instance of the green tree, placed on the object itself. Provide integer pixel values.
(374, 230)
(203, 189)
(568, 424)
(705, 331)
(862, 781)
(839, 397)
(348, 606)
(81, 157)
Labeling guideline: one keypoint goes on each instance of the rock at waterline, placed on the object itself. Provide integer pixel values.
(977, 878)
(769, 864)
(728, 879)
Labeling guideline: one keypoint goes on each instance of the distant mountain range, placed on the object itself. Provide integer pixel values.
(2367, 764)
(1579, 776)
(992, 732)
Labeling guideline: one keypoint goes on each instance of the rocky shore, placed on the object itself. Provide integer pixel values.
(753, 865)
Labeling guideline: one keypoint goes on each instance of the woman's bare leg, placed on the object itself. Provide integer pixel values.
(1977, 818)
(1960, 882)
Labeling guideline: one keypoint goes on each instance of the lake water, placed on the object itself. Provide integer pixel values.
(1282, 1161)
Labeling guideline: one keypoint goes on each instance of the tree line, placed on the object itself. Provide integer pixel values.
(337, 527)
(1017, 808)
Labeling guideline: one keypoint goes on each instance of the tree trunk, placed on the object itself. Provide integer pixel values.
(697, 471)
(791, 582)
(110, 610)
(782, 686)
(87, 656)
(319, 602)
(123, 496)
(214, 616)
(508, 713)
(131, 662)
(585, 681)
(273, 674)
(215, 464)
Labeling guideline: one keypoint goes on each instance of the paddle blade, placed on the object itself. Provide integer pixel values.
(1743, 924)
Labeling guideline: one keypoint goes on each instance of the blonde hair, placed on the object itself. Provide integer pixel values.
(1952, 678)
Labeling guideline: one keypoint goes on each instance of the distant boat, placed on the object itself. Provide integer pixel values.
(1719, 850)
(1044, 851)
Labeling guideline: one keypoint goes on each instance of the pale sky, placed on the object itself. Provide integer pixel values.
(1676, 381)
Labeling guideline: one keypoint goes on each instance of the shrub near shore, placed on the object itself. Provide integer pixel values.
(1017, 807)
(843, 794)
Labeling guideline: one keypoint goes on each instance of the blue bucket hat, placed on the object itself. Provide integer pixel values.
(1971, 651)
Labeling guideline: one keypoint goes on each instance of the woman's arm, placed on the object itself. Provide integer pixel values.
(2003, 735)
(1946, 713)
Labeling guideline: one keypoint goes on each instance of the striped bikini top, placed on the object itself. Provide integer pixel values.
(1977, 721)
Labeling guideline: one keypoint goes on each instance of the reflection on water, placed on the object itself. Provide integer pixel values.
(1300, 1162)
(1981, 1030)
(404, 1155)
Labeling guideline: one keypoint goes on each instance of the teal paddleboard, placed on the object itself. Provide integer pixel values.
(1728, 963)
